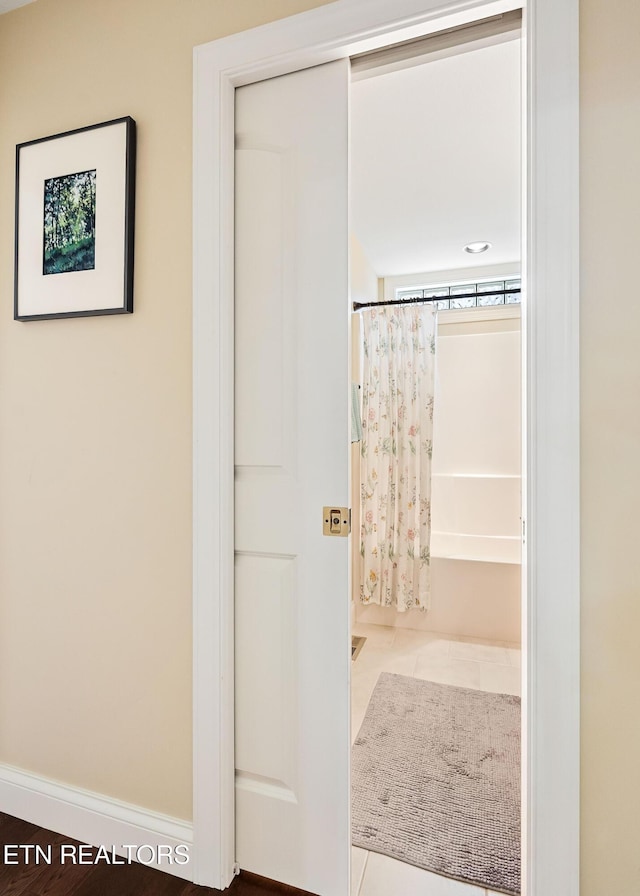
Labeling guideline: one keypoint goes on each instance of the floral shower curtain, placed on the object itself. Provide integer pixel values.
(397, 409)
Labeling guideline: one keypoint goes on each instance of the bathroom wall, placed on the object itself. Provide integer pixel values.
(364, 288)
(363, 279)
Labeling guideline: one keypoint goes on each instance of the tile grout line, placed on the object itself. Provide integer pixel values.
(362, 873)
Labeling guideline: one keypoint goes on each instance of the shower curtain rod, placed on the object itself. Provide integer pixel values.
(358, 306)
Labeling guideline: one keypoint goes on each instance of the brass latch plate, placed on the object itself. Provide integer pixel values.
(336, 521)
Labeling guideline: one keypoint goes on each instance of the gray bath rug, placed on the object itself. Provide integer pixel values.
(436, 780)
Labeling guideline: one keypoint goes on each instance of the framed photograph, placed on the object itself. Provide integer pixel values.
(75, 207)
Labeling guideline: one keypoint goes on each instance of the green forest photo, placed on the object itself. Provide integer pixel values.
(70, 223)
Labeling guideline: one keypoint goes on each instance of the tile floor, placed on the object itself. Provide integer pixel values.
(466, 662)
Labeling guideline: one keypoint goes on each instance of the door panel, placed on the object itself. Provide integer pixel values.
(292, 604)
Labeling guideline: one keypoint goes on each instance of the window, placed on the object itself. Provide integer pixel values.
(467, 295)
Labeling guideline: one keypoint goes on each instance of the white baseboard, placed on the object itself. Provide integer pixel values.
(96, 820)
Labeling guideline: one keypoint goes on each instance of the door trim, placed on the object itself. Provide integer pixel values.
(551, 747)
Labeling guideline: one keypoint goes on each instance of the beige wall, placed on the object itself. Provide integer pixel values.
(363, 279)
(95, 434)
(610, 338)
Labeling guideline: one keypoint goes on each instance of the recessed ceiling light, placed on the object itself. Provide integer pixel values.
(475, 248)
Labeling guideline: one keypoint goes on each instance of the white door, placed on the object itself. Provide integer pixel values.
(291, 458)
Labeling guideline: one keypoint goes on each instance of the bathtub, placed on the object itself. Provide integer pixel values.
(475, 561)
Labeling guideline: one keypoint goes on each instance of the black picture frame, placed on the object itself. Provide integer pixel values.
(75, 222)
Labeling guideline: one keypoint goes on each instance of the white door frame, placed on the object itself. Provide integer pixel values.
(551, 747)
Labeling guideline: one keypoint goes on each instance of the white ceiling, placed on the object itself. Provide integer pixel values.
(435, 162)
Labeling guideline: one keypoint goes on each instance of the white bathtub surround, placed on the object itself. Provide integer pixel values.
(476, 484)
(399, 345)
(476, 516)
(475, 561)
(469, 598)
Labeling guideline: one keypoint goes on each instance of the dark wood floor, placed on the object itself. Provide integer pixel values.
(56, 879)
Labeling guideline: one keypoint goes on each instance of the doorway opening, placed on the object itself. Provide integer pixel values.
(331, 33)
(436, 462)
